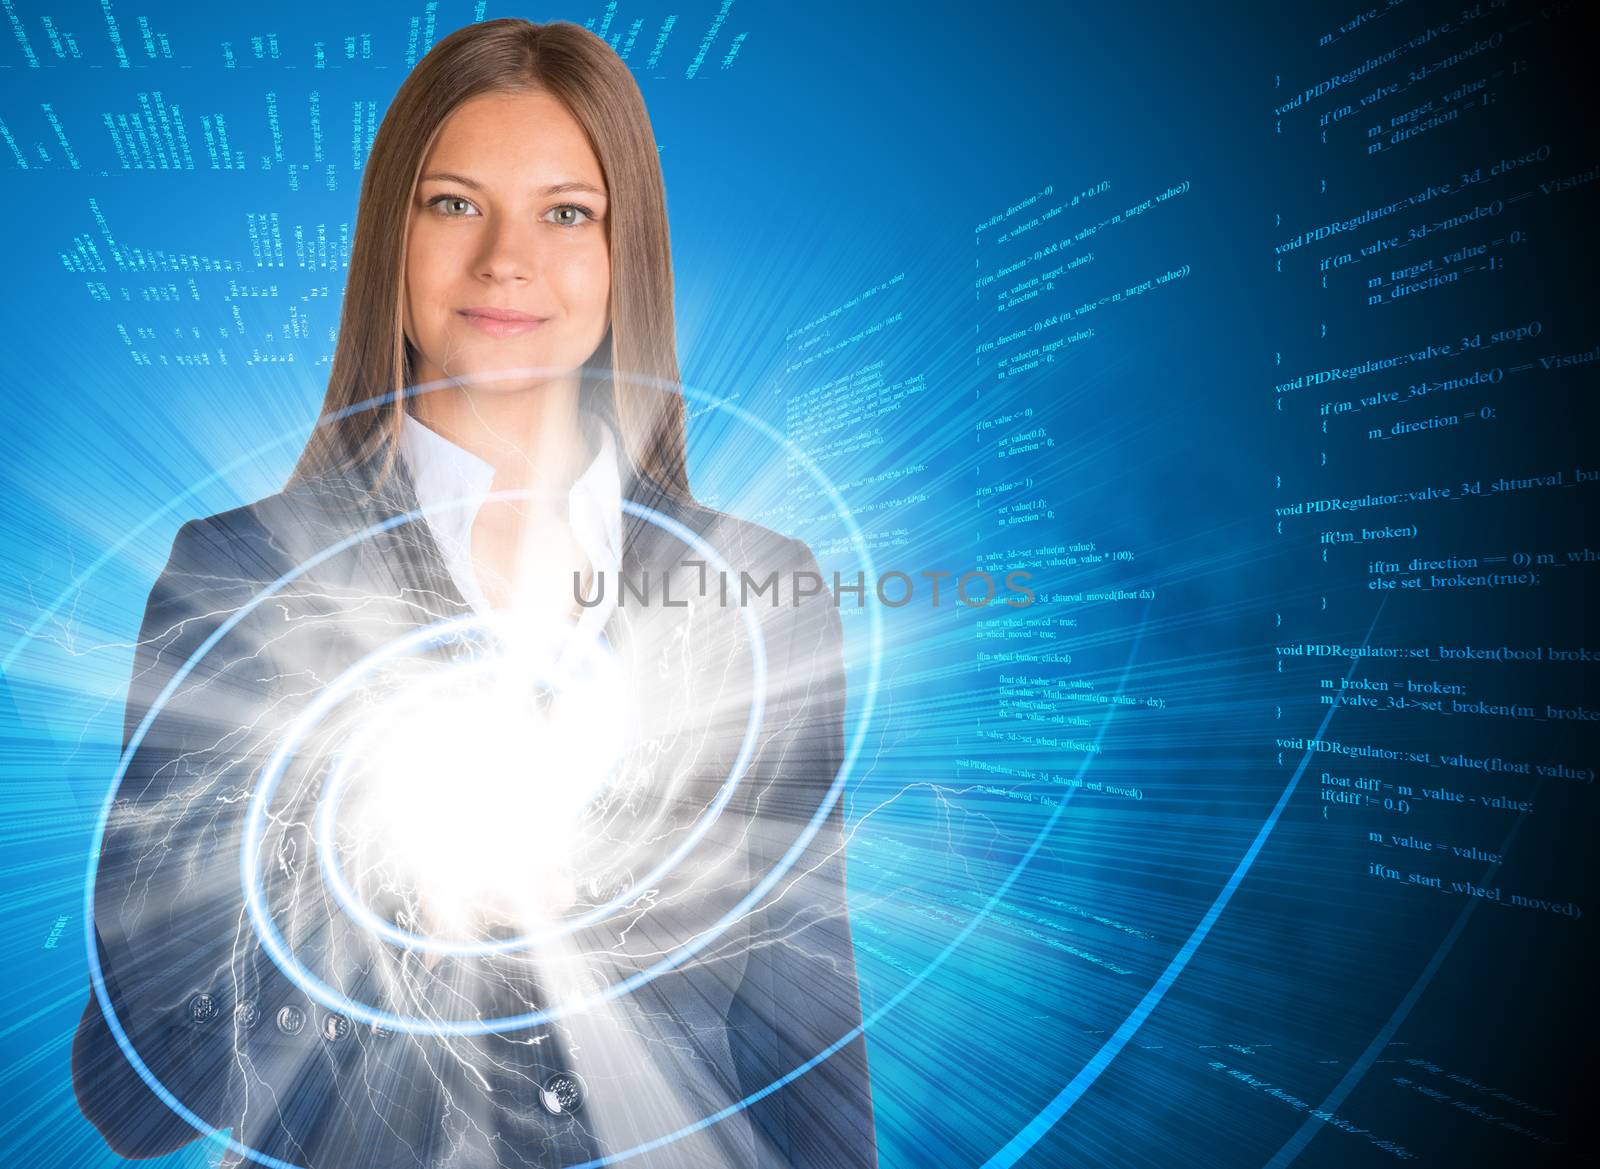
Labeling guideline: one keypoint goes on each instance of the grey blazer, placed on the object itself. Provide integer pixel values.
(222, 1028)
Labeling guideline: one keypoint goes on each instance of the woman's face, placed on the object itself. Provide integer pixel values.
(507, 261)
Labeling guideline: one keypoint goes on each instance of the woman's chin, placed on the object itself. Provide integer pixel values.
(513, 374)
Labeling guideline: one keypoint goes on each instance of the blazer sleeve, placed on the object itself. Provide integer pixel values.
(156, 940)
(799, 993)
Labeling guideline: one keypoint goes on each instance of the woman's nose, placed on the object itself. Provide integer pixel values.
(510, 252)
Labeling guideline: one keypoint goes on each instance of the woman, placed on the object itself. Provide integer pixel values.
(567, 846)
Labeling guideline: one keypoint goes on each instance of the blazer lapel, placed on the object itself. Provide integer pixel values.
(400, 559)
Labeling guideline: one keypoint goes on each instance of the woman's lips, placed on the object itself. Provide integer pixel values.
(500, 322)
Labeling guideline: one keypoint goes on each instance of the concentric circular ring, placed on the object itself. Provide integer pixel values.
(853, 749)
(340, 688)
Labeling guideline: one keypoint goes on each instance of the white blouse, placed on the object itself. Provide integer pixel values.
(451, 484)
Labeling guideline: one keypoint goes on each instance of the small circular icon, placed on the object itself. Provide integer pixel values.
(291, 1020)
(247, 1014)
(202, 1008)
(562, 1094)
(335, 1028)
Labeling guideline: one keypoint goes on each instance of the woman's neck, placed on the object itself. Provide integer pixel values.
(531, 437)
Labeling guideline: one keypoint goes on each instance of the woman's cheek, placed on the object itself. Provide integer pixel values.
(596, 285)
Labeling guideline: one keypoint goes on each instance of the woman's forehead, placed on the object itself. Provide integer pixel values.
(503, 133)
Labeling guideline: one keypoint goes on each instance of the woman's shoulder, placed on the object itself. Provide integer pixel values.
(778, 577)
(259, 540)
(310, 512)
(744, 543)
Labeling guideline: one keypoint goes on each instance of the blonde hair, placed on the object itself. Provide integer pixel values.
(372, 358)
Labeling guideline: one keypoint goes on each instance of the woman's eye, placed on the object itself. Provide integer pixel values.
(570, 215)
(448, 205)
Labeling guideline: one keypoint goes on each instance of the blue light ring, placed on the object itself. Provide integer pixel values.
(852, 751)
(333, 875)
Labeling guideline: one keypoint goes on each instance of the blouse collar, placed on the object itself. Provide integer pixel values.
(451, 484)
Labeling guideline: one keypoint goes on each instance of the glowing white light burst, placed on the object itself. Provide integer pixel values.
(472, 791)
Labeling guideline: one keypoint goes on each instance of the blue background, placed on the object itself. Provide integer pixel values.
(1109, 907)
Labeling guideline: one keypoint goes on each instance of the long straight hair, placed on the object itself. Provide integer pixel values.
(372, 358)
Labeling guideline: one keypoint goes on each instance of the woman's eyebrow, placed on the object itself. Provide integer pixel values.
(555, 189)
(564, 188)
